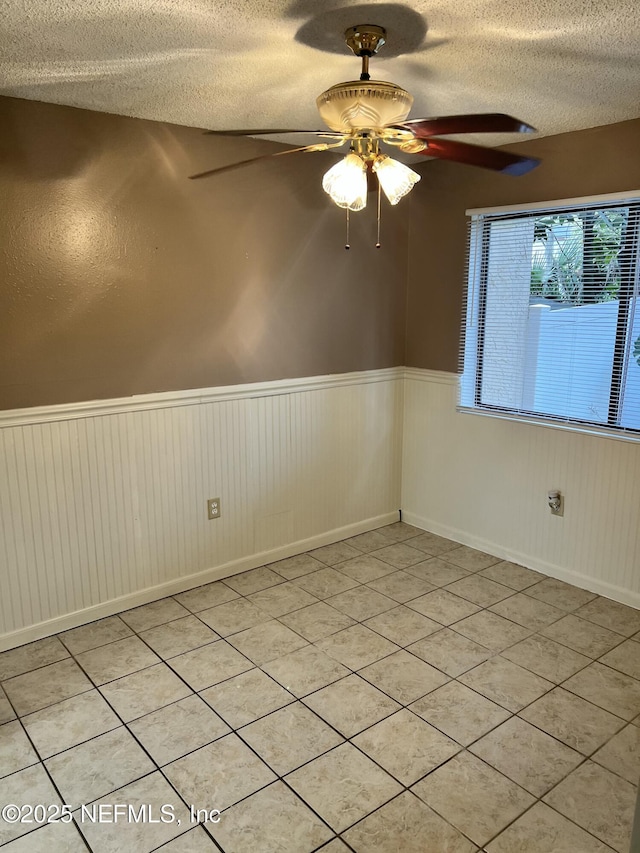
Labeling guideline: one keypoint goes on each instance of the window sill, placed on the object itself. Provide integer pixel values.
(584, 429)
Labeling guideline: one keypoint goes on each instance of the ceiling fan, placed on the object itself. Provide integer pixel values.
(367, 113)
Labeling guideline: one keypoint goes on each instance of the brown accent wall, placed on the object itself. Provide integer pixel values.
(119, 276)
(598, 160)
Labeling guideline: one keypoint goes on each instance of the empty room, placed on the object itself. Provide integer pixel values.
(319, 427)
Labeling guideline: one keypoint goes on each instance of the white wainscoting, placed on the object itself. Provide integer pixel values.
(103, 504)
(483, 481)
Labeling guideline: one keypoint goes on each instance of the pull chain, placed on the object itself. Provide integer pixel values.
(378, 243)
(346, 245)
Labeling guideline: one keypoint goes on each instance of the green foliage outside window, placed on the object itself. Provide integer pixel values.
(575, 257)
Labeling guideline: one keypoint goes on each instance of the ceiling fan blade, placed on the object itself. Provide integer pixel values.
(317, 147)
(264, 132)
(478, 123)
(476, 155)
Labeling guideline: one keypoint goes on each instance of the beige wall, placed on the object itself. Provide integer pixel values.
(599, 160)
(119, 276)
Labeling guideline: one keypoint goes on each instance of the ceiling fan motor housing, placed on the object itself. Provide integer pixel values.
(361, 105)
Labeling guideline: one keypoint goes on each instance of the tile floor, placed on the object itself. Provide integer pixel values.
(396, 692)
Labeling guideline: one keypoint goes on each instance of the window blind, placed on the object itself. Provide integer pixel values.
(552, 314)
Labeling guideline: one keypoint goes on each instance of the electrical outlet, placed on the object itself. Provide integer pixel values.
(213, 508)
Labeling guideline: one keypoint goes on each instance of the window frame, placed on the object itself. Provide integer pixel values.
(474, 314)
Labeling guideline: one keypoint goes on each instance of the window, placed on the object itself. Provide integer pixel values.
(552, 328)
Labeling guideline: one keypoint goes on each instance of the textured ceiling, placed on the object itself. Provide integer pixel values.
(559, 64)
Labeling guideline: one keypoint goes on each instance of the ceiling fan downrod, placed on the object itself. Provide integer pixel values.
(365, 41)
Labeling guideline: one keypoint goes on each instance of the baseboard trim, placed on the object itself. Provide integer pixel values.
(608, 590)
(154, 593)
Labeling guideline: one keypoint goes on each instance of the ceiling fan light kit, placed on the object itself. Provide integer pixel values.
(395, 178)
(346, 182)
(365, 113)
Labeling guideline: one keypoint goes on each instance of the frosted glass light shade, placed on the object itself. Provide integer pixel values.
(346, 182)
(363, 104)
(395, 178)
